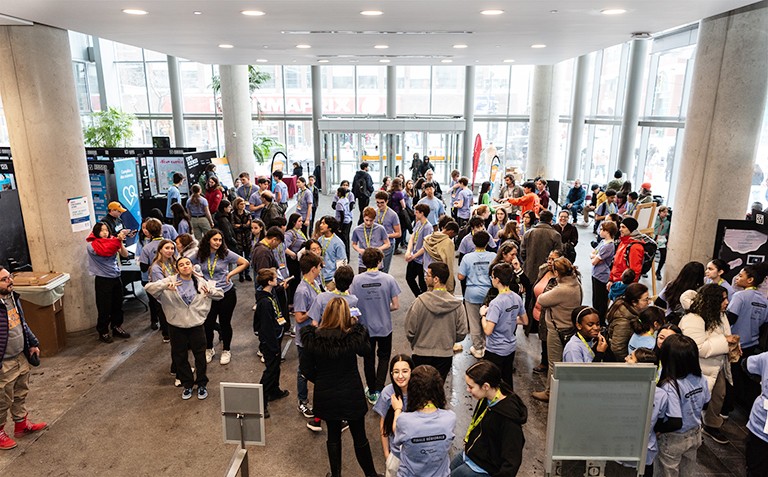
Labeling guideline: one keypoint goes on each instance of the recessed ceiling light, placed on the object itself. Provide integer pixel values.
(538, 45)
(135, 11)
(371, 13)
(304, 47)
(447, 61)
(253, 13)
(381, 47)
(509, 61)
(459, 46)
(261, 60)
(613, 11)
(554, 11)
(197, 12)
(492, 12)
(322, 61)
(226, 45)
(383, 61)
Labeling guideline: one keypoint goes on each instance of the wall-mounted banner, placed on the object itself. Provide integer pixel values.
(79, 214)
(128, 193)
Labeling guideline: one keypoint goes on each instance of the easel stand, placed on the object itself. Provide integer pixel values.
(239, 460)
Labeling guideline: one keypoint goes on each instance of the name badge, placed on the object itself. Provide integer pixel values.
(281, 321)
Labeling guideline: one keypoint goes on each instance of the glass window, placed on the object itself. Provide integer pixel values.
(491, 90)
(659, 157)
(163, 127)
(272, 129)
(520, 90)
(413, 90)
(609, 81)
(447, 90)
(159, 87)
(150, 55)
(142, 133)
(93, 87)
(269, 96)
(196, 87)
(81, 87)
(516, 148)
(567, 70)
(298, 135)
(372, 90)
(125, 52)
(298, 91)
(133, 89)
(338, 89)
(601, 141)
(201, 134)
(670, 81)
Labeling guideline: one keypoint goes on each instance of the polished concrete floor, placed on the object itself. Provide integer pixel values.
(113, 410)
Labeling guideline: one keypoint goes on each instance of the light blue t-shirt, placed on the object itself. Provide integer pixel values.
(576, 351)
(436, 209)
(304, 203)
(302, 302)
(751, 307)
(99, 266)
(724, 284)
(149, 251)
(686, 400)
(606, 250)
(187, 290)
(382, 406)
(375, 291)
(333, 251)
(283, 190)
(474, 266)
(660, 403)
(419, 232)
(641, 341)
(467, 246)
(159, 271)
(183, 227)
(425, 442)
(198, 210)
(173, 196)
(388, 219)
(504, 311)
(342, 210)
(168, 232)
(758, 365)
(245, 192)
(465, 197)
(220, 267)
(364, 237)
(294, 240)
(255, 200)
(493, 231)
(321, 301)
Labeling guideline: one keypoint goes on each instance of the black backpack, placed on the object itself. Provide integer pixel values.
(360, 187)
(649, 251)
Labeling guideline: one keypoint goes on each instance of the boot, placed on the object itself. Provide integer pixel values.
(334, 458)
(25, 427)
(5, 441)
(365, 459)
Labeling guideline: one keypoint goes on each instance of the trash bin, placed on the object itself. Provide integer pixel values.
(42, 299)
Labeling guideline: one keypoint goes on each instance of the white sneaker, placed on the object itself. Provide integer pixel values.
(477, 354)
(226, 357)
(209, 354)
(177, 383)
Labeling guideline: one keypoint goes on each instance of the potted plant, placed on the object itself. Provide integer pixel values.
(110, 128)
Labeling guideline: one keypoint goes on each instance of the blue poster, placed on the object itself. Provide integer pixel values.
(127, 183)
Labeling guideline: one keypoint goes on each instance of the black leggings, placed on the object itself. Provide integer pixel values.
(414, 276)
(662, 259)
(222, 310)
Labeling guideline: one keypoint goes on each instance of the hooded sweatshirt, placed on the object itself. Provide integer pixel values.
(434, 322)
(439, 247)
(177, 312)
(496, 444)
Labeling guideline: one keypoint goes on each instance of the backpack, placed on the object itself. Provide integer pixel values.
(649, 251)
(360, 187)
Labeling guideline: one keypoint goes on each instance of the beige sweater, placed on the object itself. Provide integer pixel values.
(561, 301)
(440, 248)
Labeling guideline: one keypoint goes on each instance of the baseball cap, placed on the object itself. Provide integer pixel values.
(646, 185)
(116, 206)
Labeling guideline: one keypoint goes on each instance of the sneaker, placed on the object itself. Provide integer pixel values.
(261, 358)
(259, 354)
(315, 425)
(166, 339)
(242, 279)
(540, 396)
(105, 338)
(715, 434)
(280, 394)
(344, 426)
(477, 354)
(658, 276)
(177, 382)
(202, 392)
(541, 369)
(24, 427)
(209, 354)
(186, 394)
(292, 332)
(5, 441)
(154, 326)
(226, 357)
(373, 397)
(248, 278)
(457, 348)
(119, 332)
(305, 409)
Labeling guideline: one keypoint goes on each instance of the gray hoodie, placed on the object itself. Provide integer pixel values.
(434, 322)
(177, 312)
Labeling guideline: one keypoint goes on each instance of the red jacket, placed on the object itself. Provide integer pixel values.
(213, 196)
(620, 264)
(527, 202)
(105, 247)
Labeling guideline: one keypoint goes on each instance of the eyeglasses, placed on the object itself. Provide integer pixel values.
(381, 202)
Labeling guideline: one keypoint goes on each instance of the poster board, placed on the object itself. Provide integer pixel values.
(128, 194)
(224, 172)
(645, 214)
(164, 169)
(246, 399)
(609, 402)
(740, 243)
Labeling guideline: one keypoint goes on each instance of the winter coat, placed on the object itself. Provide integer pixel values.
(269, 213)
(561, 301)
(329, 360)
(434, 322)
(265, 319)
(440, 249)
(177, 312)
(620, 330)
(536, 245)
(713, 347)
(636, 254)
(30, 341)
(223, 222)
(496, 444)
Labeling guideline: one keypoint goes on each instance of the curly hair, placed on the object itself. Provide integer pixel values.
(708, 305)
(425, 386)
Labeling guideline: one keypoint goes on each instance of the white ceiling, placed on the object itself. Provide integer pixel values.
(568, 27)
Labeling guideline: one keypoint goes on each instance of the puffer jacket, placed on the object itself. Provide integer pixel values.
(560, 301)
(713, 347)
(620, 328)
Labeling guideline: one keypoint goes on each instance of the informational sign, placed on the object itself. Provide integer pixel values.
(127, 184)
(164, 170)
(145, 189)
(740, 243)
(7, 180)
(223, 172)
(97, 174)
(79, 214)
(242, 409)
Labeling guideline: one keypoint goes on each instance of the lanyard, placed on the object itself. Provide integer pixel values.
(277, 309)
(477, 419)
(417, 232)
(367, 236)
(337, 292)
(317, 290)
(297, 232)
(248, 194)
(212, 268)
(504, 291)
(167, 269)
(384, 214)
(327, 244)
(439, 289)
(428, 405)
(592, 353)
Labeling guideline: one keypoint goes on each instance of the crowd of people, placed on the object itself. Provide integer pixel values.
(476, 266)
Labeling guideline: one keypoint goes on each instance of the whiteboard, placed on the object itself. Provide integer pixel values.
(599, 411)
(164, 169)
(645, 214)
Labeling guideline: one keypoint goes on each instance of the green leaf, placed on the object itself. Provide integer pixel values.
(111, 128)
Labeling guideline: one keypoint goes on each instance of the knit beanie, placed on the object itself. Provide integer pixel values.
(630, 223)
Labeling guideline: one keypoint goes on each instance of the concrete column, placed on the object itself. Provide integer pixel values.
(317, 113)
(390, 149)
(465, 159)
(543, 133)
(38, 92)
(638, 53)
(578, 115)
(728, 92)
(177, 102)
(236, 112)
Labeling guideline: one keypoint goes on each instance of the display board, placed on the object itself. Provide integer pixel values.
(165, 167)
(247, 400)
(98, 173)
(13, 240)
(195, 164)
(127, 184)
(645, 214)
(611, 403)
(224, 172)
(740, 243)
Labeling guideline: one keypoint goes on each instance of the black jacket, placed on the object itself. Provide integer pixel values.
(269, 213)
(265, 319)
(329, 360)
(497, 443)
(368, 190)
(223, 222)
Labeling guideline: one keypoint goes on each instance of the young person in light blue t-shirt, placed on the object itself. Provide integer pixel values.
(377, 293)
(588, 345)
(436, 206)
(474, 268)
(368, 234)
(500, 319)
(311, 266)
(645, 327)
(344, 216)
(687, 393)
(414, 253)
(757, 439)
(400, 368)
(389, 219)
(424, 433)
(463, 201)
(332, 247)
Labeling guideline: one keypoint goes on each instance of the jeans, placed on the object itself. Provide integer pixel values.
(575, 211)
(376, 374)
(414, 276)
(677, 453)
(475, 328)
(459, 468)
(222, 309)
(184, 340)
(109, 303)
(388, 256)
(301, 381)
